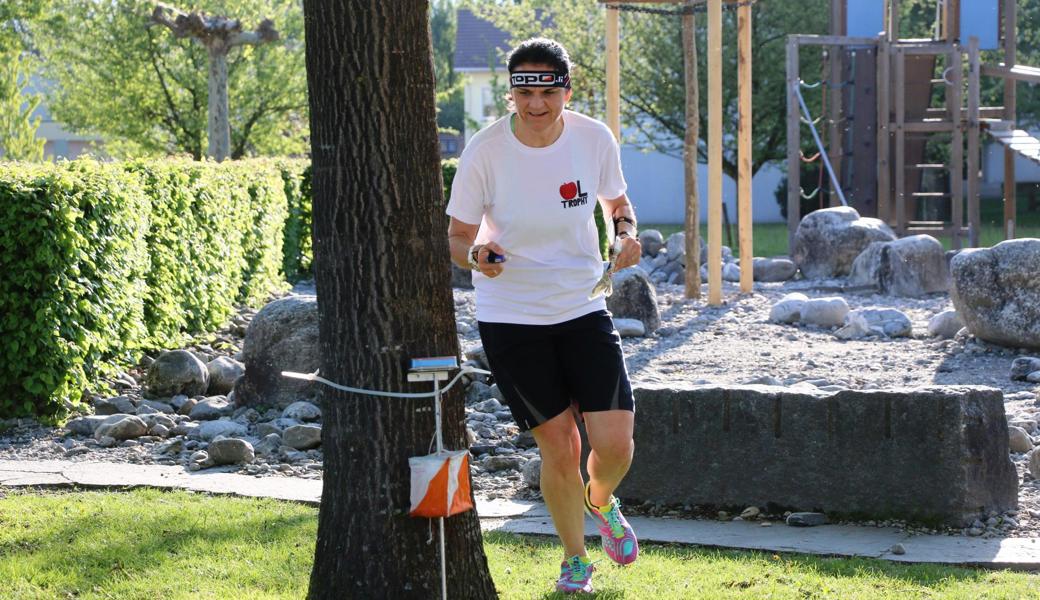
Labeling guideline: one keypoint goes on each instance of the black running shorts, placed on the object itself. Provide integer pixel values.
(543, 369)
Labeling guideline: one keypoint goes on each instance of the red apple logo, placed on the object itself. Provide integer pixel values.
(568, 190)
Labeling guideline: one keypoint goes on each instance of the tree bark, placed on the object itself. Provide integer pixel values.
(219, 125)
(383, 279)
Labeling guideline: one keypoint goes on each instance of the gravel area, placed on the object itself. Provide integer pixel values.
(731, 344)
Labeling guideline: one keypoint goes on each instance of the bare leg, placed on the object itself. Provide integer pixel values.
(562, 487)
(610, 436)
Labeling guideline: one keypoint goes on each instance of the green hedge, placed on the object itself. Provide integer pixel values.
(102, 260)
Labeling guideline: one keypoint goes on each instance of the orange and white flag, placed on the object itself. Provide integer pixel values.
(440, 484)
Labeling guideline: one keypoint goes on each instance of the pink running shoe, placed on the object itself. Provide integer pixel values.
(575, 575)
(619, 540)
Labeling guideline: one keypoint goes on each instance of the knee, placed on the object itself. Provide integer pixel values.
(559, 454)
(616, 450)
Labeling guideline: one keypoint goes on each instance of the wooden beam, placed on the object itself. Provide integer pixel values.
(1010, 114)
(692, 139)
(954, 101)
(834, 60)
(884, 168)
(900, 158)
(830, 40)
(744, 83)
(1017, 72)
(893, 21)
(794, 161)
(613, 74)
(715, 152)
(974, 101)
(952, 20)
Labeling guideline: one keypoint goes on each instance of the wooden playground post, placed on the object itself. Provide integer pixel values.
(954, 102)
(794, 143)
(884, 187)
(693, 124)
(744, 216)
(900, 159)
(974, 100)
(715, 152)
(1010, 110)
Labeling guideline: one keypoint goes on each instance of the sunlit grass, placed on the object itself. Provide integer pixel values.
(149, 544)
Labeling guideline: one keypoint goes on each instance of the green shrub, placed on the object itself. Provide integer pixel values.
(103, 260)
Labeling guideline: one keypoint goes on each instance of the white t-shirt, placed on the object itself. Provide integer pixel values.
(537, 203)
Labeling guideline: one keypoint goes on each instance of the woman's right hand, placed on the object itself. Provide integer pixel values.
(490, 269)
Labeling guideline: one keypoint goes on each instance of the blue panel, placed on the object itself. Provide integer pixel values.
(866, 18)
(981, 18)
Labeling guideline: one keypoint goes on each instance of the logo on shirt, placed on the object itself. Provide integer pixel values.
(572, 194)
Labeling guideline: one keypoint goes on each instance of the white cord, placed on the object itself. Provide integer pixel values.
(315, 377)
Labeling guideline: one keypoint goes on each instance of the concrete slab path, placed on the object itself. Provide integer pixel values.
(531, 518)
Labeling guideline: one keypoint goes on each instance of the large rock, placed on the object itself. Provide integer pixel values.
(177, 372)
(828, 240)
(302, 437)
(882, 322)
(1022, 366)
(223, 373)
(788, 309)
(652, 241)
(230, 451)
(825, 312)
(211, 429)
(945, 324)
(1034, 464)
(85, 426)
(114, 406)
(997, 292)
(936, 454)
(302, 411)
(634, 297)
(121, 427)
(211, 409)
(283, 336)
(772, 269)
(912, 267)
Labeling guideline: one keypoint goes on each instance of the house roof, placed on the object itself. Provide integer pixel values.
(477, 42)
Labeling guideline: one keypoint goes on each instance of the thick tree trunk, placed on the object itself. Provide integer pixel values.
(382, 272)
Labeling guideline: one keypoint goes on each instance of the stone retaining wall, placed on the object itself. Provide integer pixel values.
(937, 454)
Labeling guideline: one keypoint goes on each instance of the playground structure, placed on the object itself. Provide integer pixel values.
(714, 141)
(881, 125)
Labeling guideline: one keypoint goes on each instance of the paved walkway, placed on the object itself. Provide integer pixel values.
(532, 518)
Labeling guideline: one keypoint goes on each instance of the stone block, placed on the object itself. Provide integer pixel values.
(935, 454)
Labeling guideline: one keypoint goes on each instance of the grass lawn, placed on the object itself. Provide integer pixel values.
(149, 544)
(770, 239)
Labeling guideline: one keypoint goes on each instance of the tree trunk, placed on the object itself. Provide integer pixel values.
(219, 125)
(382, 273)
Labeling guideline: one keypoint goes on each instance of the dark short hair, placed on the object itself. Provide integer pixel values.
(540, 51)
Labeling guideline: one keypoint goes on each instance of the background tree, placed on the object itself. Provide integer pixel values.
(146, 91)
(450, 85)
(382, 274)
(17, 127)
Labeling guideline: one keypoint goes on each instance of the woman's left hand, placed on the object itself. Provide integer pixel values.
(631, 250)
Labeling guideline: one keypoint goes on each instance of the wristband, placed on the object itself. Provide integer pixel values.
(471, 256)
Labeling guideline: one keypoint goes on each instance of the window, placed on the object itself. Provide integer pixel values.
(487, 103)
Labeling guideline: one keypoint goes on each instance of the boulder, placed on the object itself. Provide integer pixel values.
(997, 292)
(223, 373)
(825, 312)
(211, 408)
(211, 429)
(769, 270)
(155, 406)
(945, 324)
(883, 322)
(121, 427)
(302, 411)
(911, 267)
(176, 372)
(652, 242)
(634, 297)
(788, 309)
(302, 437)
(1018, 440)
(532, 473)
(1022, 366)
(115, 405)
(1034, 464)
(828, 241)
(629, 327)
(283, 336)
(461, 278)
(85, 426)
(230, 451)
(731, 272)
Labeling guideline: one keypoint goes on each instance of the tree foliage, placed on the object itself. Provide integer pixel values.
(17, 127)
(147, 91)
(652, 90)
